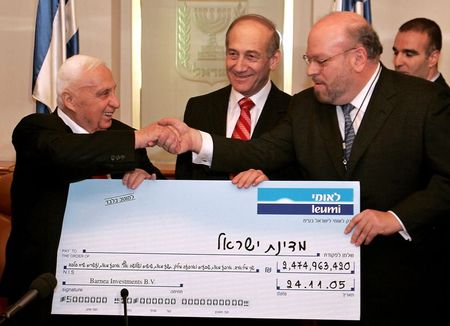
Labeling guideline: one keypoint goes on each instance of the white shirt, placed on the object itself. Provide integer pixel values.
(76, 129)
(205, 155)
(234, 110)
(435, 77)
(360, 103)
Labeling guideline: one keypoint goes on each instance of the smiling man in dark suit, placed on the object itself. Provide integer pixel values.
(400, 154)
(76, 142)
(252, 53)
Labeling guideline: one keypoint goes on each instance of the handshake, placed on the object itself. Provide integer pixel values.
(173, 135)
(176, 137)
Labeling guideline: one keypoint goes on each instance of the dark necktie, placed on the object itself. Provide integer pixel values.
(243, 125)
(349, 132)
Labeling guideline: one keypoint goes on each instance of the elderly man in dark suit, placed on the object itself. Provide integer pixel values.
(252, 53)
(78, 141)
(395, 142)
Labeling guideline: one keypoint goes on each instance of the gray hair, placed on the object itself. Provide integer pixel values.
(71, 71)
(275, 40)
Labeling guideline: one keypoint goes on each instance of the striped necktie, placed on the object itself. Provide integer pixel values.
(349, 132)
(242, 128)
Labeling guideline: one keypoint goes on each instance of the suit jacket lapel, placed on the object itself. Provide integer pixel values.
(378, 110)
(329, 131)
(55, 113)
(219, 110)
(441, 81)
(271, 111)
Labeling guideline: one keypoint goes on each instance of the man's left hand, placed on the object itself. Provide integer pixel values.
(370, 223)
(134, 178)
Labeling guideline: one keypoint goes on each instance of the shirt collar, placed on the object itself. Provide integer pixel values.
(362, 99)
(435, 77)
(259, 98)
(76, 129)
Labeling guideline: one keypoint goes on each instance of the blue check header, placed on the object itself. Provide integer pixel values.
(305, 201)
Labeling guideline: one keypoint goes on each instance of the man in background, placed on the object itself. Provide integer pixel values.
(417, 49)
(252, 53)
(78, 141)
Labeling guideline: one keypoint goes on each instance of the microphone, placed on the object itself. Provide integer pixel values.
(124, 295)
(40, 288)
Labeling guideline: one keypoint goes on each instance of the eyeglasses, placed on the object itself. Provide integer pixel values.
(321, 62)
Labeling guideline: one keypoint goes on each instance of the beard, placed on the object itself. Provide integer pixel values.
(330, 93)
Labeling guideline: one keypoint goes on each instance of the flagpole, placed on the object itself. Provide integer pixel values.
(62, 17)
(337, 5)
(359, 9)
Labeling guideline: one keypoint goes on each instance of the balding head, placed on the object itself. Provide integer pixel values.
(342, 54)
(348, 28)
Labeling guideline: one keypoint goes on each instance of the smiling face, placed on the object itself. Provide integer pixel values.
(92, 100)
(248, 62)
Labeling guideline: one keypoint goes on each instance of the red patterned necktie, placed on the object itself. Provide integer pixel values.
(243, 125)
(103, 176)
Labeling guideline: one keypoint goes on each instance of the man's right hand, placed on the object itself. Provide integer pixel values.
(189, 139)
(154, 134)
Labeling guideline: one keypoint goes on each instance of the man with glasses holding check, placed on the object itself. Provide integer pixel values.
(362, 122)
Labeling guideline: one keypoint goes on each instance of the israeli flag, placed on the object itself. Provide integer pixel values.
(56, 39)
(361, 7)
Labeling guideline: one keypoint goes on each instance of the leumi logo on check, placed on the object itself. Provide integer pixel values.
(305, 201)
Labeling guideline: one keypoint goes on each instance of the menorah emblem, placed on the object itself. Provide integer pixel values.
(212, 21)
(201, 27)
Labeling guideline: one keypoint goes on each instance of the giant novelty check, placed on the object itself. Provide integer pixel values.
(208, 249)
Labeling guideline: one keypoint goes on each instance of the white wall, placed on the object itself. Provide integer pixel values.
(16, 36)
(105, 32)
